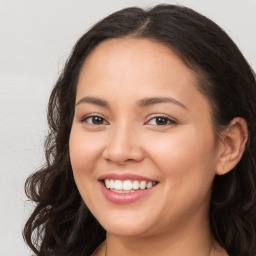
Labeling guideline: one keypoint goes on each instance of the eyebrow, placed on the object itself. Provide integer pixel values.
(157, 100)
(94, 101)
(141, 103)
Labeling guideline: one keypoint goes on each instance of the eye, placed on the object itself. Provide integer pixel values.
(160, 121)
(94, 120)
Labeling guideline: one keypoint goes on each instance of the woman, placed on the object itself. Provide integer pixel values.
(152, 143)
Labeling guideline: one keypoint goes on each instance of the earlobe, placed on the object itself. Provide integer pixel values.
(233, 143)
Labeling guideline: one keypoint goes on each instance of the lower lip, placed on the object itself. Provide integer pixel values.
(125, 198)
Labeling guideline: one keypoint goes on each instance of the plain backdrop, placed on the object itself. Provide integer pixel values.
(36, 37)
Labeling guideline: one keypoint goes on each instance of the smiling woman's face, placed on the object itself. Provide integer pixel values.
(140, 121)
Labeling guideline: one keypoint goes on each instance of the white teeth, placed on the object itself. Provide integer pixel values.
(128, 185)
(107, 183)
(112, 184)
(135, 185)
(149, 184)
(122, 191)
(118, 185)
(143, 184)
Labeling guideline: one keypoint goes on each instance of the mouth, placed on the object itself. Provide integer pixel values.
(128, 186)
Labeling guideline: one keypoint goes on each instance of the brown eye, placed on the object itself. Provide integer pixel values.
(95, 120)
(160, 121)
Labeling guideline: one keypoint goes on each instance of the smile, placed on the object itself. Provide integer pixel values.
(128, 186)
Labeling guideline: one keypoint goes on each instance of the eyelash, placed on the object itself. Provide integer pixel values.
(85, 119)
(167, 120)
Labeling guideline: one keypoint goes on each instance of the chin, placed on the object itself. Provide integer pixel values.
(125, 231)
(125, 227)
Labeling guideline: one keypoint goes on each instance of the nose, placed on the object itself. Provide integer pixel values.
(123, 146)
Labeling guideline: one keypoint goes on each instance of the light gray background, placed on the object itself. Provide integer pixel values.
(35, 39)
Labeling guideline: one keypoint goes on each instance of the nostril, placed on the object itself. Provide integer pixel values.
(122, 147)
(124, 156)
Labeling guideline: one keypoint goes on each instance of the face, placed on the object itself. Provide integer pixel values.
(142, 128)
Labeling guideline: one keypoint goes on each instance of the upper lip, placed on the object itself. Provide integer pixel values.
(124, 176)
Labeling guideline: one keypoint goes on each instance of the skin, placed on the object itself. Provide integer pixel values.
(183, 155)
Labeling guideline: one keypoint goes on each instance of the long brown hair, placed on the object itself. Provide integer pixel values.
(61, 223)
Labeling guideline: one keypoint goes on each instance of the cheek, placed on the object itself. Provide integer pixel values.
(84, 150)
(83, 153)
(187, 169)
(185, 157)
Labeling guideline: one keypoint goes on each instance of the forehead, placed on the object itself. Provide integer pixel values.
(138, 68)
(130, 49)
(128, 59)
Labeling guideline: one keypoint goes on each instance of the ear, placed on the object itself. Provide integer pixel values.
(232, 146)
